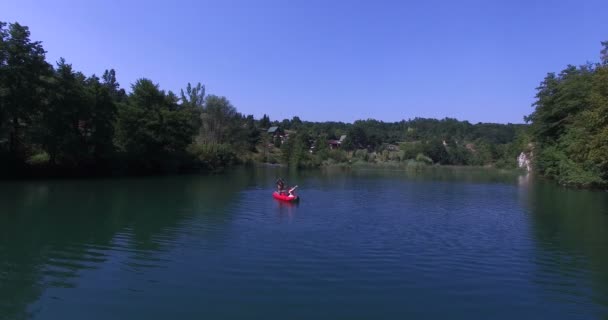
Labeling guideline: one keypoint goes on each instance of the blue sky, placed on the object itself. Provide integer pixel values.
(329, 60)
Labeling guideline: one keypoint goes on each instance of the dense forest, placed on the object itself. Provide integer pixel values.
(55, 120)
(416, 141)
(569, 125)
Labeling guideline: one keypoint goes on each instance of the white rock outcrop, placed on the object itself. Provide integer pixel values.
(523, 161)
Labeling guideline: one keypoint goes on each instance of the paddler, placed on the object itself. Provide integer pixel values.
(280, 186)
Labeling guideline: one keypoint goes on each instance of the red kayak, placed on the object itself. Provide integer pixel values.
(285, 197)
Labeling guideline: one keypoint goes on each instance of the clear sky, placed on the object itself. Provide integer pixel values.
(329, 60)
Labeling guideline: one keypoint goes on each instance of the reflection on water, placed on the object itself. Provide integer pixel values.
(360, 244)
(287, 210)
(571, 233)
(52, 231)
(523, 180)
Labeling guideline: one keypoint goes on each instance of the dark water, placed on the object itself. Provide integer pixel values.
(440, 244)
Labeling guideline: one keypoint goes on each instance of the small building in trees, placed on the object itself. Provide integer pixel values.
(275, 131)
(334, 144)
(277, 135)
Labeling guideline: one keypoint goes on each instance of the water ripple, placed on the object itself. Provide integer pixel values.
(356, 246)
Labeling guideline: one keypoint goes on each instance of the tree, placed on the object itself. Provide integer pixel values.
(151, 130)
(358, 137)
(592, 128)
(23, 70)
(296, 123)
(252, 133)
(321, 147)
(265, 122)
(437, 151)
(194, 96)
(569, 125)
(109, 81)
(559, 98)
(63, 130)
(604, 53)
(295, 150)
(99, 120)
(220, 119)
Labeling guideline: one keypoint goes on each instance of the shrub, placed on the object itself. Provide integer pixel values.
(361, 154)
(213, 157)
(423, 159)
(337, 155)
(39, 159)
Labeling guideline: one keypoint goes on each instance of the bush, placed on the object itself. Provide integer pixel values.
(423, 159)
(396, 156)
(361, 154)
(41, 158)
(337, 155)
(554, 163)
(506, 163)
(411, 150)
(213, 157)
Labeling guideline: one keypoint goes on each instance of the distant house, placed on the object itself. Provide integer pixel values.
(275, 131)
(334, 144)
(277, 135)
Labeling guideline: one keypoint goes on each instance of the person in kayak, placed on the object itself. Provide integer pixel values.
(280, 186)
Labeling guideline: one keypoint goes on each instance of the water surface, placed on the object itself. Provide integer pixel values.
(442, 243)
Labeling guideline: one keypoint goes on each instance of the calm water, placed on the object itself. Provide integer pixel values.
(455, 244)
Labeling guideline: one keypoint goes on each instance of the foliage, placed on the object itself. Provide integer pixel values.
(295, 150)
(423, 159)
(152, 129)
(75, 127)
(23, 82)
(213, 157)
(569, 125)
(265, 122)
(57, 117)
(39, 159)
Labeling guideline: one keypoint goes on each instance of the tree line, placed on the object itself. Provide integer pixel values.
(569, 125)
(56, 120)
(431, 141)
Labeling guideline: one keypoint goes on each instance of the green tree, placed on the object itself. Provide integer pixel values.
(62, 127)
(113, 87)
(437, 151)
(559, 99)
(219, 121)
(99, 119)
(152, 130)
(23, 73)
(265, 122)
(358, 137)
(194, 97)
(412, 149)
(296, 123)
(295, 150)
(252, 133)
(569, 127)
